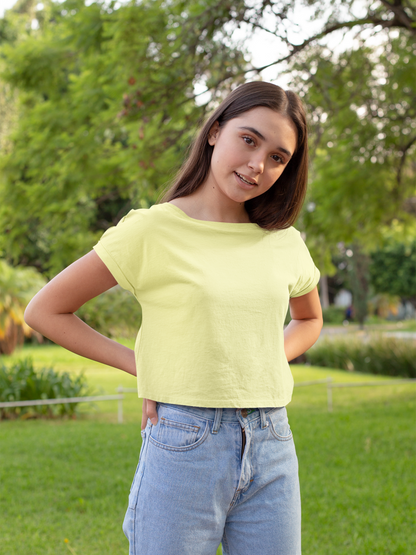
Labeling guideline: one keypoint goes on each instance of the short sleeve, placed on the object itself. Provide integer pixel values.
(119, 249)
(308, 273)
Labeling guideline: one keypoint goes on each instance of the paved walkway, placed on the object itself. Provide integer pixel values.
(330, 331)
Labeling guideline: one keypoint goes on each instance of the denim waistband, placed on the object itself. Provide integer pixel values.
(218, 415)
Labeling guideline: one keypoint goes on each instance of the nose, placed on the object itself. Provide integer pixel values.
(256, 164)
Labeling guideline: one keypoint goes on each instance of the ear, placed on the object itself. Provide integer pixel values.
(213, 133)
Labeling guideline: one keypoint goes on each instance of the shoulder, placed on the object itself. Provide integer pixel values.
(148, 215)
(294, 242)
(297, 238)
(120, 245)
(290, 236)
(142, 218)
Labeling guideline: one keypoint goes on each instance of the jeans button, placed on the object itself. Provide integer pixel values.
(244, 413)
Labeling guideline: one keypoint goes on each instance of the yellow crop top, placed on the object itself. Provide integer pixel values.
(214, 297)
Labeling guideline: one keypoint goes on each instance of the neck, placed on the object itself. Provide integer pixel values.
(208, 203)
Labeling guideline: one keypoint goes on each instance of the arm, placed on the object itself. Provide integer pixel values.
(306, 324)
(51, 312)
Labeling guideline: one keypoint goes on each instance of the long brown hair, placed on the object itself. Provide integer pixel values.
(278, 207)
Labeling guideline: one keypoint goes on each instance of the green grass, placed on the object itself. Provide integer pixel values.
(69, 480)
(65, 480)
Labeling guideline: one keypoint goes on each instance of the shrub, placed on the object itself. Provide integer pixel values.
(333, 315)
(21, 382)
(115, 313)
(388, 356)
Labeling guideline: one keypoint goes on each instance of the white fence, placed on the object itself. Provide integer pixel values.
(64, 401)
(330, 385)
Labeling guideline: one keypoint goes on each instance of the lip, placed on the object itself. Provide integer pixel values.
(242, 183)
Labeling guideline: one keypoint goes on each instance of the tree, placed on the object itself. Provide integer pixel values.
(302, 25)
(363, 167)
(393, 270)
(107, 106)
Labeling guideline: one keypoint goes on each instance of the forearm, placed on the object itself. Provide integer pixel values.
(300, 335)
(75, 335)
(51, 313)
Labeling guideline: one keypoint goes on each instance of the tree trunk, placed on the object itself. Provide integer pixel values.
(359, 284)
(13, 334)
(324, 291)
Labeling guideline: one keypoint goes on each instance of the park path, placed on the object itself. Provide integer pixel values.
(353, 329)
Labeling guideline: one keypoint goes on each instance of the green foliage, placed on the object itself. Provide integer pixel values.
(22, 382)
(377, 355)
(107, 107)
(393, 270)
(333, 315)
(108, 104)
(115, 313)
(363, 116)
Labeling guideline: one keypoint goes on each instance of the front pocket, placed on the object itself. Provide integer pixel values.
(279, 424)
(181, 434)
(176, 434)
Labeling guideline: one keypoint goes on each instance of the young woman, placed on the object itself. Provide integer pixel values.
(214, 267)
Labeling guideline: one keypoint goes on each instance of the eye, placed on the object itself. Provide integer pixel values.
(248, 140)
(278, 159)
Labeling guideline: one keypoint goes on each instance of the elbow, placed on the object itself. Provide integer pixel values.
(318, 328)
(30, 314)
(27, 316)
(319, 324)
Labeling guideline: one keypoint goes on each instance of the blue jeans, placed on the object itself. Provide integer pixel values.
(210, 476)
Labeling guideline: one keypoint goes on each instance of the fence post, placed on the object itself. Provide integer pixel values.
(329, 392)
(120, 405)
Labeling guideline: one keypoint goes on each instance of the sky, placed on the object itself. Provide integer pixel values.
(5, 5)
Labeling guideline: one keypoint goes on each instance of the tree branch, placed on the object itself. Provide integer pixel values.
(403, 159)
(385, 23)
(400, 15)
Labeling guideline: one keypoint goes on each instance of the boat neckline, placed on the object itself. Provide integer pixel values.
(179, 212)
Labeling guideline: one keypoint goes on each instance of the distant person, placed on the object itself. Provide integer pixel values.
(349, 313)
(214, 266)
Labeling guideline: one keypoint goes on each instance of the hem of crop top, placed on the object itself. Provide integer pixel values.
(218, 403)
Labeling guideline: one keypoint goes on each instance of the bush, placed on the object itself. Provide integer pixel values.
(388, 356)
(334, 315)
(21, 382)
(115, 313)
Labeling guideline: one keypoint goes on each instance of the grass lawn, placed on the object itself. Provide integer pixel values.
(64, 484)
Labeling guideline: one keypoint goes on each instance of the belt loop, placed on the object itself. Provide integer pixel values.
(217, 421)
(263, 419)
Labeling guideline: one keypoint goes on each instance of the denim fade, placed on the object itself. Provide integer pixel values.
(194, 488)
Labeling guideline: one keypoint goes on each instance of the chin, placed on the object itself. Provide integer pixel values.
(240, 198)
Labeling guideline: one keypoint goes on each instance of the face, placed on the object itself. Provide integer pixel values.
(250, 153)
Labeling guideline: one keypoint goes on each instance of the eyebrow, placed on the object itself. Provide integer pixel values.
(263, 138)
